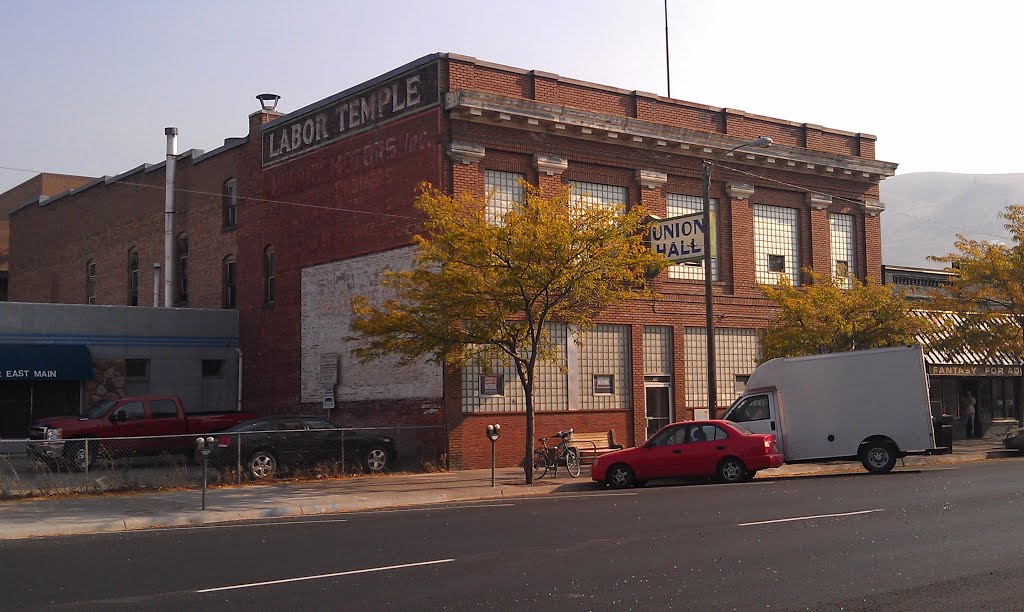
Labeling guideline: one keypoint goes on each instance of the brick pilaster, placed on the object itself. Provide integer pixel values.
(738, 249)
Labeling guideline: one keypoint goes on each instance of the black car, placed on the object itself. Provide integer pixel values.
(269, 445)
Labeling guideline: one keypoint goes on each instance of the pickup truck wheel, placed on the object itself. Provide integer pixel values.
(376, 459)
(261, 465)
(878, 457)
(620, 476)
(80, 457)
(731, 470)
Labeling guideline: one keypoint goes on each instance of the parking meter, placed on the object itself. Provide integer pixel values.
(493, 431)
(205, 447)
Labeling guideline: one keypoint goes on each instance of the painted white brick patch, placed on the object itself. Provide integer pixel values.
(327, 319)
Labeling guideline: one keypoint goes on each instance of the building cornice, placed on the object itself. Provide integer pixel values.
(489, 108)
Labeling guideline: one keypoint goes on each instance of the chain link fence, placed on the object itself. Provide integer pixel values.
(261, 452)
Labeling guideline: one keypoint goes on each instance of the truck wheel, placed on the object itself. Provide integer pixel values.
(731, 470)
(376, 459)
(261, 465)
(76, 455)
(878, 457)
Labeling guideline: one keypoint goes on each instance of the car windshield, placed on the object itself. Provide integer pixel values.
(98, 410)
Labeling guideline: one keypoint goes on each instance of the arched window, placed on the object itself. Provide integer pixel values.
(90, 282)
(229, 294)
(133, 276)
(182, 251)
(229, 203)
(269, 259)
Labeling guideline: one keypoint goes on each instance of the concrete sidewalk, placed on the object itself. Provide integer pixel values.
(125, 512)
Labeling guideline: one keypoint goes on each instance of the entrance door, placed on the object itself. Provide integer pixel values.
(659, 407)
(15, 409)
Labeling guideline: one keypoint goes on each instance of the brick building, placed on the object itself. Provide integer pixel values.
(325, 203)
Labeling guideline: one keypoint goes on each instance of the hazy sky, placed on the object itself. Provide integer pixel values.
(88, 87)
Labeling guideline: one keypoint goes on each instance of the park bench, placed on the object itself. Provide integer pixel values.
(592, 445)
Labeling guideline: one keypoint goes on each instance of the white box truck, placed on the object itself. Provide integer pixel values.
(867, 405)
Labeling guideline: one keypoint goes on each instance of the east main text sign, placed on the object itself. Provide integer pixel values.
(402, 95)
(680, 238)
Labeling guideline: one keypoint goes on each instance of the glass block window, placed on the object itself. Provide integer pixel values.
(605, 350)
(736, 353)
(596, 194)
(676, 205)
(551, 386)
(844, 254)
(776, 244)
(657, 350)
(504, 193)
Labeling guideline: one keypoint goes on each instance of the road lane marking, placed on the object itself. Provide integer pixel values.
(810, 518)
(321, 576)
(556, 496)
(263, 524)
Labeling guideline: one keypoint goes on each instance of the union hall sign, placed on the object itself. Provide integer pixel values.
(403, 95)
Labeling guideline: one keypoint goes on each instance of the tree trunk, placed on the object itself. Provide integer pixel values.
(528, 461)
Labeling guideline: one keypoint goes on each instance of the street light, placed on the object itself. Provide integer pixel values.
(709, 324)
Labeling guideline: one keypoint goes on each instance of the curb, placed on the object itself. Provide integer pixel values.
(351, 503)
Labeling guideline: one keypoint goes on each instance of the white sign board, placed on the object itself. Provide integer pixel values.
(701, 414)
(680, 238)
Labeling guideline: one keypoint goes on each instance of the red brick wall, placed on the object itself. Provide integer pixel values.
(48, 262)
(350, 198)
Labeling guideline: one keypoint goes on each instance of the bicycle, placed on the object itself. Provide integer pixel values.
(547, 457)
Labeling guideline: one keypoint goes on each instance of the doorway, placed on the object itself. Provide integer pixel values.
(659, 406)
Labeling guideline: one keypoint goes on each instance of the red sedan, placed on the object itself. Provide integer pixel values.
(694, 448)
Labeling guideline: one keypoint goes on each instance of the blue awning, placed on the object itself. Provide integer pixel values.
(45, 362)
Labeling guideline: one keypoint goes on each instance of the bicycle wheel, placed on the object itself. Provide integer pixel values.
(540, 464)
(572, 462)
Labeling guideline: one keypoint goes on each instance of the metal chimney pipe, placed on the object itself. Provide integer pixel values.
(156, 285)
(172, 152)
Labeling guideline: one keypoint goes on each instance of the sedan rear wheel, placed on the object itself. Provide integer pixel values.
(261, 465)
(376, 459)
(732, 469)
(620, 476)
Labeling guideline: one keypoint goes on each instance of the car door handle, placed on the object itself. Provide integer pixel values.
(677, 452)
(719, 448)
(773, 425)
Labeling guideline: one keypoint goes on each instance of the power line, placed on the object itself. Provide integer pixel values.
(858, 203)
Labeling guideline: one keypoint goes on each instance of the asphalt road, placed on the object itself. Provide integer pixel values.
(941, 538)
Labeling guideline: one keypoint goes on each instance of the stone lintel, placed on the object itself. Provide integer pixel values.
(550, 164)
(739, 191)
(820, 201)
(873, 207)
(465, 152)
(650, 179)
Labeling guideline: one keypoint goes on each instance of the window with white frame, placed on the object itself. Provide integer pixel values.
(597, 194)
(736, 352)
(605, 369)
(844, 254)
(676, 205)
(90, 282)
(504, 193)
(776, 244)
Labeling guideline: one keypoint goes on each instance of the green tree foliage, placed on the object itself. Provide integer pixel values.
(986, 293)
(477, 291)
(834, 315)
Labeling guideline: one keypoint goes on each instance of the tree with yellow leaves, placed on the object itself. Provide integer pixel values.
(480, 290)
(833, 315)
(986, 292)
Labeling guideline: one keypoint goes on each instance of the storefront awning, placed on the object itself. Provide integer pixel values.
(45, 362)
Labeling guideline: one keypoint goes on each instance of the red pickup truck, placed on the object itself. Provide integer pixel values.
(140, 425)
